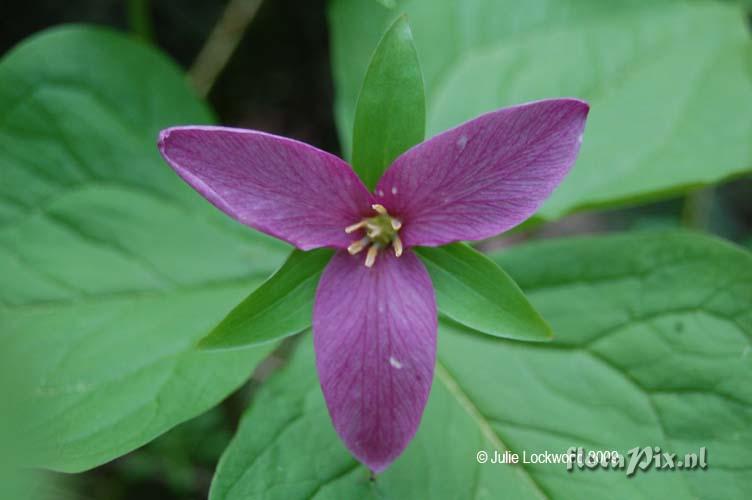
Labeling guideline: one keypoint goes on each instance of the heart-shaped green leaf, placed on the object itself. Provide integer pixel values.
(390, 114)
(281, 307)
(668, 82)
(474, 291)
(112, 268)
(652, 349)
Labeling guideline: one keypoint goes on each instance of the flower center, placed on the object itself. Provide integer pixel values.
(380, 232)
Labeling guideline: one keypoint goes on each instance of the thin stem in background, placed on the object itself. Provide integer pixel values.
(221, 43)
(697, 207)
(139, 20)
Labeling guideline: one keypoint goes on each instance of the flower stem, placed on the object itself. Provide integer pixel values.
(139, 20)
(222, 42)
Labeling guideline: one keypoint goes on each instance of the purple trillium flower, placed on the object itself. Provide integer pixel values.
(374, 317)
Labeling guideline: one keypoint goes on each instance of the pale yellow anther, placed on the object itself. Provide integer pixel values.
(358, 246)
(355, 227)
(373, 230)
(379, 209)
(397, 245)
(380, 231)
(373, 251)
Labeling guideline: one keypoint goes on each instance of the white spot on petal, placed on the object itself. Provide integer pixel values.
(381, 192)
(462, 142)
(394, 189)
(579, 139)
(393, 361)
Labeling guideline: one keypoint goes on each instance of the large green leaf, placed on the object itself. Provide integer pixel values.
(111, 267)
(474, 291)
(281, 307)
(668, 81)
(391, 112)
(652, 349)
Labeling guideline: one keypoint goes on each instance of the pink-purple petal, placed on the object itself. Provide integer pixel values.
(280, 186)
(374, 333)
(485, 176)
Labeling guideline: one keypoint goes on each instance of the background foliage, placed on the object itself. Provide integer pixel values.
(112, 269)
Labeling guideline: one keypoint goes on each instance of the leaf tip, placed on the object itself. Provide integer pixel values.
(402, 22)
(548, 333)
(205, 343)
(544, 332)
(212, 342)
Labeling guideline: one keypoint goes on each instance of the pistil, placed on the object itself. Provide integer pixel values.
(381, 230)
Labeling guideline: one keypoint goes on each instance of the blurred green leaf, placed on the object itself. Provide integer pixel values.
(112, 268)
(282, 306)
(390, 113)
(668, 82)
(474, 291)
(652, 349)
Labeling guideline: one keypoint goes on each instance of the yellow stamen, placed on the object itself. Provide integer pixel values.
(358, 246)
(379, 232)
(397, 245)
(379, 209)
(355, 227)
(373, 251)
(373, 230)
